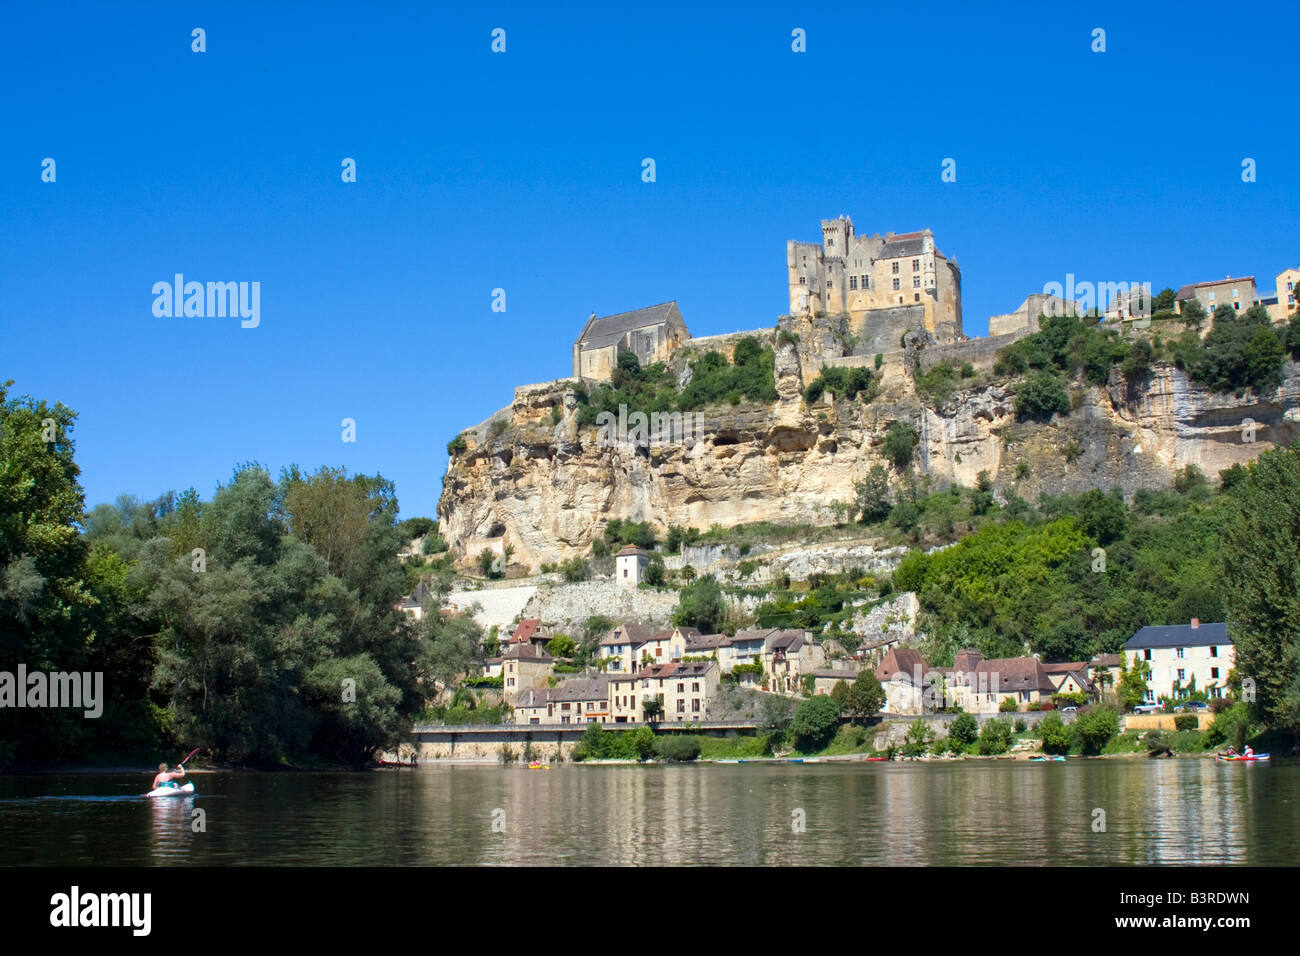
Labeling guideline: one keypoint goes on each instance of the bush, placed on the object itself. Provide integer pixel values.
(1054, 734)
(815, 723)
(1186, 722)
(575, 569)
(677, 747)
(1040, 397)
(900, 444)
(995, 738)
(918, 739)
(1008, 706)
(456, 446)
(1158, 744)
(964, 730)
(1095, 728)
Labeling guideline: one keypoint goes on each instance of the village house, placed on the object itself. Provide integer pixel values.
(825, 679)
(530, 631)
(684, 689)
(1020, 679)
(1183, 658)
(787, 656)
(524, 666)
(1238, 293)
(1071, 677)
(630, 565)
(576, 701)
(901, 673)
(623, 646)
(416, 604)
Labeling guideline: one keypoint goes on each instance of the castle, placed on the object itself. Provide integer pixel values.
(886, 286)
(900, 280)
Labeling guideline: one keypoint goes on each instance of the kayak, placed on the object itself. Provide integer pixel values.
(185, 791)
(1044, 759)
(1240, 757)
(539, 766)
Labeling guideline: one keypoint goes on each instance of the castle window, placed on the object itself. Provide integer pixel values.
(916, 297)
(895, 283)
(853, 282)
(803, 280)
(916, 265)
(866, 282)
(830, 243)
(895, 269)
(916, 282)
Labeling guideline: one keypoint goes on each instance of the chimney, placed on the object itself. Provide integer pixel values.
(1196, 622)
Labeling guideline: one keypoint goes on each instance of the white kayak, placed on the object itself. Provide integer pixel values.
(164, 791)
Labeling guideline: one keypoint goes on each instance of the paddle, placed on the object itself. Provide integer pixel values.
(183, 762)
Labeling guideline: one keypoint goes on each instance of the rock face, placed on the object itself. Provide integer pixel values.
(531, 479)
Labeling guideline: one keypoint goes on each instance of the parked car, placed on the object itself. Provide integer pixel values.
(1069, 710)
(1148, 708)
(1191, 707)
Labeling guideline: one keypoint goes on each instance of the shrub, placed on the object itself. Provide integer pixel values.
(1186, 722)
(815, 722)
(1054, 734)
(1040, 397)
(456, 446)
(964, 730)
(918, 738)
(575, 569)
(1095, 728)
(995, 738)
(900, 444)
(678, 747)
(1157, 744)
(1008, 706)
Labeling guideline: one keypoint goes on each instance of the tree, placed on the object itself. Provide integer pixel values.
(486, 559)
(1095, 728)
(654, 572)
(1041, 396)
(1102, 515)
(1164, 301)
(814, 723)
(652, 707)
(1260, 566)
(865, 695)
(701, 605)
(561, 645)
(872, 494)
(965, 730)
(1193, 314)
(995, 737)
(840, 694)
(900, 444)
(1292, 336)
(1054, 734)
(1132, 687)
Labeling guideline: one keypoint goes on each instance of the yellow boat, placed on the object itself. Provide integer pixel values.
(539, 766)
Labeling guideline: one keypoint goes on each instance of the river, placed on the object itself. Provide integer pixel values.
(942, 813)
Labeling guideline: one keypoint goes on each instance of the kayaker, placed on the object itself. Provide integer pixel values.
(1232, 752)
(165, 776)
(1248, 752)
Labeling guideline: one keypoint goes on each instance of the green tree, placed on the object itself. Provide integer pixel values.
(1260, 567)
(1095, 728)
(865, 695)
(900, 444)
(1132, 687)
(872, 494)
(840, 694)
(1054, 734)
(995, 737)
(1194, 315)
(652, 708)
(814, 723)
(965, 730)
(701, 605)
(561, 645)
(1041, 396)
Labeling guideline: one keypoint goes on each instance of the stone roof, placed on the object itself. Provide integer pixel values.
(580, 688)
(847, 676)
(673, 669)
(610, 329)
(1189, 291)
(631, 549)
(901, 663)
(637, 634)
(1179, 635)
(788, 640)
(1066, 668)
(527, 652)
(894, 249)
(706, 642)
(1016, 673)
(1104, 660)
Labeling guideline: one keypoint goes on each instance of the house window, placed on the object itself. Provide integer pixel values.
(895, 268)
(866, 282)
(695, 687)
(1236, 306)
(916, 297)
(695, 705)
(564, 706)
(895, 285)
(853, 282)
(916, 282)
(1214, 651)
(681, 688)
(625, 572)
(1181, 674)
(681, 706)
(1214, 673)
(510, 682)
(1180, 653)
(1146, 654)
(659, 651)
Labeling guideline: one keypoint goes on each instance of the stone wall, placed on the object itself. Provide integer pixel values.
(981, 353)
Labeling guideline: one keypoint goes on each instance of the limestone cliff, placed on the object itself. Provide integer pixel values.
(531, 479)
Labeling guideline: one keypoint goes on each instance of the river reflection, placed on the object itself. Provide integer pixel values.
(954, 813)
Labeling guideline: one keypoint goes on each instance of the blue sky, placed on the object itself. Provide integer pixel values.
(523, 171)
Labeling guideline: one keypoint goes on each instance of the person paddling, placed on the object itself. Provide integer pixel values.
(165, 777)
